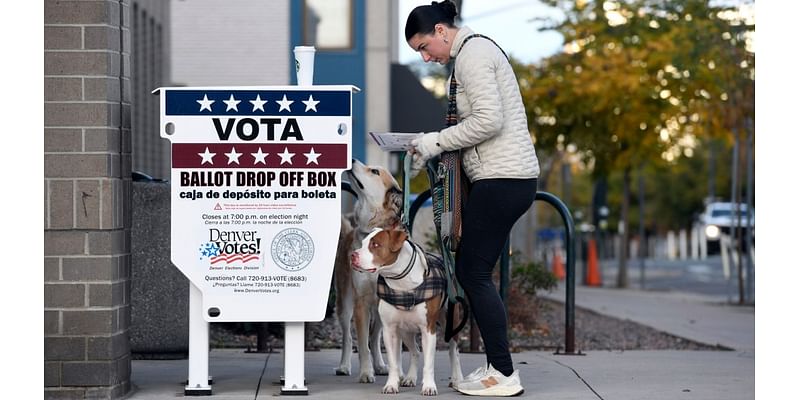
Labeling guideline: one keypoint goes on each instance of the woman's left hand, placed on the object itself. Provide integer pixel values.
(417, 163)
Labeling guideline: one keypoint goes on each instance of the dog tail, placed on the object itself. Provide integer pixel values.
(449, 331)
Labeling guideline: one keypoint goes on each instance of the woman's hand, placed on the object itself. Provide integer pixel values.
(427, 146)
(417, 163)
(423, 148)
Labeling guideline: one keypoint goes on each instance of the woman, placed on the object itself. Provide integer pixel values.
(499, 159)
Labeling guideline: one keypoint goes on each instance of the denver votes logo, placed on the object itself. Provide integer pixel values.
(292, 249)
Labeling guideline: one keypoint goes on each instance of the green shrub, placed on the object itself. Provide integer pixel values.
(532, 276)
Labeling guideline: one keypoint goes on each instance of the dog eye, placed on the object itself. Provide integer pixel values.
(375, 171)
(374, 245)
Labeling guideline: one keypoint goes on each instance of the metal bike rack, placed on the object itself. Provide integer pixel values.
(566, 216)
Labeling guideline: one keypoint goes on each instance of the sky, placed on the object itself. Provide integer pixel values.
(508, 22)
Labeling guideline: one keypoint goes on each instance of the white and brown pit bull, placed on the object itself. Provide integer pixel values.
(411, 288)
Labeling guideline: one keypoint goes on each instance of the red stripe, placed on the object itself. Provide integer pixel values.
(331, 155)
(215, 260)
(233, 258)
(229, 258)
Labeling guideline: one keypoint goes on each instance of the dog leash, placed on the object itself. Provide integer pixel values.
(406, 188)
(454, 292)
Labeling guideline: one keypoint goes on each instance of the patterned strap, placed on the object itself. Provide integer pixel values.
(455, 185)
(481, 36)
(452, 112)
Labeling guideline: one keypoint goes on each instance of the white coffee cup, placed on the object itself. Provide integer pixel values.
(304, 65)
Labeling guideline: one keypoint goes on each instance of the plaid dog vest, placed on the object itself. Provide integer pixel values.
(433, 285)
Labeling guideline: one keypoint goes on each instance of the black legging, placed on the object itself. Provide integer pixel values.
(491, 209)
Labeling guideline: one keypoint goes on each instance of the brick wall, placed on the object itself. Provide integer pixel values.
(87, 163)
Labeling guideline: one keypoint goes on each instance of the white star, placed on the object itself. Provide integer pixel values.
(311, 104)
(312, 157)
(232, 103)
(233, 156)
(205, 103)
(285, 104)
(286, 157)
(258, 104)
(260, 157)
(208, 157)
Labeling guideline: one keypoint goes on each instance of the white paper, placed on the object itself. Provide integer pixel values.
(394, 141)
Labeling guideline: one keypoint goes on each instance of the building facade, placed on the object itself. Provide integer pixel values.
(150, 69)
(88, 101)
(250, 42)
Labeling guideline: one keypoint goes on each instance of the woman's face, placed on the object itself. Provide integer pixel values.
(431, 46)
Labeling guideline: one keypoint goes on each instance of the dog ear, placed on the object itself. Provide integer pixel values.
(394, 201)
(393, 205)
(396, 239)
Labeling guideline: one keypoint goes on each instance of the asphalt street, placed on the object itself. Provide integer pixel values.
(704, 277)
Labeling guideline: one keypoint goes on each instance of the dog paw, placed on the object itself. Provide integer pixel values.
(343, 371)
(390, 389)
(429, 390)
(381, 370)
(408, 382)
(366, 378)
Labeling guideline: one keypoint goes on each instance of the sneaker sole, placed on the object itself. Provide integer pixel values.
(495, 391)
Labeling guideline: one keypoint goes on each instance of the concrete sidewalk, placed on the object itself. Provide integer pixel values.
(596, 375)
(652, 375)
(704, 319)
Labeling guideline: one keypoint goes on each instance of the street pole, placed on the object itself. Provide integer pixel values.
(735, 199)
(642, 241)
(566, 182)
(712, 162)
(749, 227)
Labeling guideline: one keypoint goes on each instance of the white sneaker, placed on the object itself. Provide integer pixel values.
(491, 383)
(478, 372)
(474, 374)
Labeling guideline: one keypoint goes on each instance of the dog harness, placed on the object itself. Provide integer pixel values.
(433, 284)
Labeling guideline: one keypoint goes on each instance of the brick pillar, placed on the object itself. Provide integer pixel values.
(87, 199)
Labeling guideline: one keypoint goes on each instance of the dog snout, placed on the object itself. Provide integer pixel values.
(355, 263)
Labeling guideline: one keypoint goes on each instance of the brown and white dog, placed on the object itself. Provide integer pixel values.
(415, 287)
(379, 205)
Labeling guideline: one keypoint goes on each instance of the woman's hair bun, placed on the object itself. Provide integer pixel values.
(447, 7)
(423, 19)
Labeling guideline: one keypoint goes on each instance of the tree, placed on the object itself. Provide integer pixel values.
(638, 83)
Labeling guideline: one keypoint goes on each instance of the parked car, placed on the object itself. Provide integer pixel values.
(138, 176)
(719, 219)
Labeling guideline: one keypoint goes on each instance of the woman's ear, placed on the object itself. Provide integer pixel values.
(440, 29)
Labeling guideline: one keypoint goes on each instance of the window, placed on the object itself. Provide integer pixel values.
(328, 24)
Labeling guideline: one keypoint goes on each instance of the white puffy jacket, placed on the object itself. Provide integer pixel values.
(492, 128)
